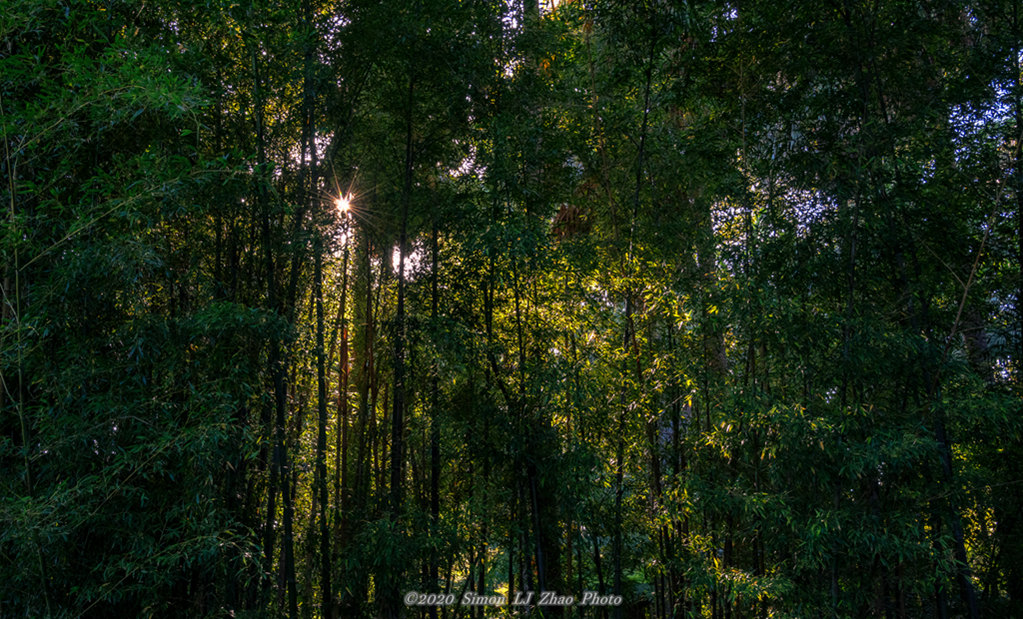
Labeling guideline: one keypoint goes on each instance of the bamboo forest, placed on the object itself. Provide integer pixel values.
(438, 309)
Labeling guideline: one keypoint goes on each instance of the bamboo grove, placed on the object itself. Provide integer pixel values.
(712, 306)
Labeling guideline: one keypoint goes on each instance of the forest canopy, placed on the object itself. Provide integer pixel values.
(699, 309)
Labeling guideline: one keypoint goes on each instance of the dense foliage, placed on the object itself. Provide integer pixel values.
(713, 306)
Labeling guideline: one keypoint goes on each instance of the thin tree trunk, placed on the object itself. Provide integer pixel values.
(391, 600)
(341, 487)
(278, 478)
(435, 423)
(629, 337)
(309, 154)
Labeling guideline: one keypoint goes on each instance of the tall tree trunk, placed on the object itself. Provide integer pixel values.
(432, 570)
(278, 477)
(392, 603)
(342, 490)
(629, 335)
(312, 196)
